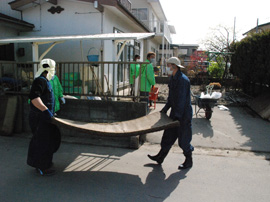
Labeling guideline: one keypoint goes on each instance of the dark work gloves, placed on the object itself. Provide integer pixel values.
(46, 115)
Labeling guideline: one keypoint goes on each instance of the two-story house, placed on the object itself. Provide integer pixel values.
(151, 13)
(59, 18)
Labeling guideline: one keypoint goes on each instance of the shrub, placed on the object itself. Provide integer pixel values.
(215, 70)
(251, 60)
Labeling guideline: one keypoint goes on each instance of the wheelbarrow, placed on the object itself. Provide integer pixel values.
(207, 104)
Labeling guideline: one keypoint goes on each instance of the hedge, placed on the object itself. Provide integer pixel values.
(251, 60)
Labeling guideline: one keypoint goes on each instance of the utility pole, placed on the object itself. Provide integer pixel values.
(257, 25)
(234, 29)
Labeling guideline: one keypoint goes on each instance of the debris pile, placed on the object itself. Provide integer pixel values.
(236, 98)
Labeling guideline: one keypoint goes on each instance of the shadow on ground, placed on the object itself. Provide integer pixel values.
(202, 126)
(79, 178)
(254, 127)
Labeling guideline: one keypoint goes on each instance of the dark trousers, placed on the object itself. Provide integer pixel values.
(184, 135)
(44, 143)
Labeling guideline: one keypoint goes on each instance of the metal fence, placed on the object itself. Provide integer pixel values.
(81, 79)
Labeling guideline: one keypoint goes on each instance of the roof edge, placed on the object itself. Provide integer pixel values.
(12, 20)
(268, 23)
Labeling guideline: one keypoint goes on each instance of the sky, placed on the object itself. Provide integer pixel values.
(193, 18)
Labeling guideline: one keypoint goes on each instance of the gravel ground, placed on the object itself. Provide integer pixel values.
(229, 97)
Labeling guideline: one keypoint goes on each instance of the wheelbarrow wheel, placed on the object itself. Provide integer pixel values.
(208, 113)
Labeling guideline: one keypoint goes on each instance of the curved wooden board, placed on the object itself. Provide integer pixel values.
(150, 123)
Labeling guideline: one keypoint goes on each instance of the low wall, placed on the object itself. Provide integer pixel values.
(101, 111)
(162, 79)
(95, 111)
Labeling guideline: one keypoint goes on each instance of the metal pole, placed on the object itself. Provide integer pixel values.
(35, 56)
(81, 50)
(257, 25)
(234, 29)
(162, 57)
(115, 70)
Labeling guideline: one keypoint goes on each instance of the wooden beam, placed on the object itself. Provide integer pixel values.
(52, 2)
(15, 5)
(19, 3)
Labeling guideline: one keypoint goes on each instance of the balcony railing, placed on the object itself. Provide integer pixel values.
(80, 79)
(159, 27)
(126, 4)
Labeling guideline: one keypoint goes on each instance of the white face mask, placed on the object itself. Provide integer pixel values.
(169, 71)
(152, 60)
(50, 74)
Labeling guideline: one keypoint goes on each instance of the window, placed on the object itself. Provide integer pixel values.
(183, 51)
(140, 13)
(161, 27)
(7, 52)
(134, 12)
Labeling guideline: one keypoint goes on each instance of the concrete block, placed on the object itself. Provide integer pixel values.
(25, 114)
(18, 128)
(162, 80)
(9, 111)
(261, 105)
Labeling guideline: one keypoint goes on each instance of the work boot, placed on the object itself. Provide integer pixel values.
(159, 158)
(188, 163)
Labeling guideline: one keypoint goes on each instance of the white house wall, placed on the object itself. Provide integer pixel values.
(75, 19)
(6, 32)
(5, 9)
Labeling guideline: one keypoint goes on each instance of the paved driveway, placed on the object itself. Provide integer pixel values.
(238, 128)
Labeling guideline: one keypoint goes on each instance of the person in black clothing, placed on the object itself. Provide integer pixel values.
(46, 136)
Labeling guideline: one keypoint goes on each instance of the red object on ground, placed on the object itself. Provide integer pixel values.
(153, 95)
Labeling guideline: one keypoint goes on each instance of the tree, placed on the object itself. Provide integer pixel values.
(196, 61)
(218, 44)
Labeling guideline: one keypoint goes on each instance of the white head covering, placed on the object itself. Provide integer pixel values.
(46, 65)
(176, 61)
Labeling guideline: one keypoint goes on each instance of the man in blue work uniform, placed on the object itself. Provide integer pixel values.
(180, 103)
(46, 136)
